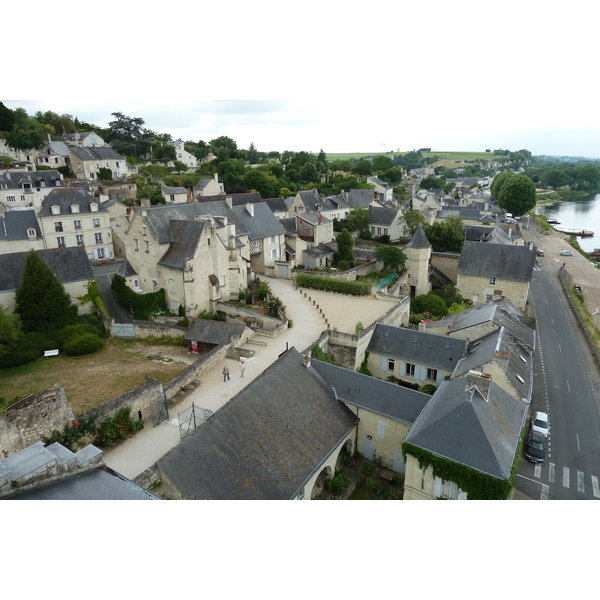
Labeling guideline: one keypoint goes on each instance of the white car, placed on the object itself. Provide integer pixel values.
(566, 253)
(540, 423)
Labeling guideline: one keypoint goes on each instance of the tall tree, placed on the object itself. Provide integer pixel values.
(391, 256)
(517, 195)
(10, 328)
(252, 154)
(358, 219)
(498, 182)
(345, 243)
(41, 300)
(7, 119)
(382, 163)
(413, 219)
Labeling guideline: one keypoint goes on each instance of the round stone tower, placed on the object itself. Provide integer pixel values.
(418, 255)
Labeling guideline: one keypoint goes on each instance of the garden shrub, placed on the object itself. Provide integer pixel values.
(353, 288)
(87, 343)
(30, 346)
(71, 332)
(428, 303)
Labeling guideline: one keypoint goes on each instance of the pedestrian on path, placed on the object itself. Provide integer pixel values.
(242, 368)
(225, 373)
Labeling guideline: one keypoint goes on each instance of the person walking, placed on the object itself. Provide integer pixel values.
(225, 373)
(242, 368)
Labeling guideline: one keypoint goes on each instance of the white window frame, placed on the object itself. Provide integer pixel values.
(98, 238)
(409, 369)
(274, 253)
(79, 239)
(11, 198)
(60, 242)
(432, 374)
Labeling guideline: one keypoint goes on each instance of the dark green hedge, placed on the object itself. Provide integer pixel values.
(325, 284)
(141, 306)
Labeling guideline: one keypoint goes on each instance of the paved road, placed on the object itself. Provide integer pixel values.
(104, 275)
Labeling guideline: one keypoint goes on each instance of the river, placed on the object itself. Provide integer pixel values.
(580, 213)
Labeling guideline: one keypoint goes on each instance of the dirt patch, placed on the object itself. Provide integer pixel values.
(93, 379)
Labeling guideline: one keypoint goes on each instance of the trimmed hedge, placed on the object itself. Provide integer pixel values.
(353, 288)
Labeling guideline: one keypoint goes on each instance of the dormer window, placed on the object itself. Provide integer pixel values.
(94, 207)
(56, 210)
(74, 208)
(31, 233)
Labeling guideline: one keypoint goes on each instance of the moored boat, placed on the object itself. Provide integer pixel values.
(579, 232)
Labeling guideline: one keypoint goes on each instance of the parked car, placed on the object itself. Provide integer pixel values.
(535, 450)
(547, 233)
(540, 253)
(566, 253)
(540, 423)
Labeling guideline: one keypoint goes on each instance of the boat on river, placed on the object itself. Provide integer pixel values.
(579, 232)
(553, 221)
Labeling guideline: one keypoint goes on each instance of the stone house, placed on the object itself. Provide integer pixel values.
(332, 207)
(27, 188)
(488, 271)
(72, 217)
(469, 422)
(412, 356)
(53, 154)
(265, 443)
(182, 155)
(208, 187)
(84, 139)
(70, 266)
(386, 221)
(175, 195)
(19, 231)
(361, 198)
(86, 162)
(198, 253)
(23, 157)
(384, 191)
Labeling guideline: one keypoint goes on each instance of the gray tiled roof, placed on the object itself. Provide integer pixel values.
(96, 153)
(68, 264)
(14, 225)
(437, 351)
(236, 199)
(359, 198)
(263, 224)
(213, 332)
(173, 190)
(419, 240)
(482, 259)
(65, 198)
(383, 216)
(16, 179)
(266, 442)
(126, 270)
(313, 202)
(458, 423)
(185, 235)
(381, 397)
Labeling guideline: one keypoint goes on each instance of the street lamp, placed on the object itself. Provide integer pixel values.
(594, 314)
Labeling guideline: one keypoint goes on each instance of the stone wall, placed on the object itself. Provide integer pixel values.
(447, 263)
(154, 329)
(33, 418)
(259, 323)
(349, 275)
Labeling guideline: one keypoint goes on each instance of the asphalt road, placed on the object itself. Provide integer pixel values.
(563, 388)
(103, 275)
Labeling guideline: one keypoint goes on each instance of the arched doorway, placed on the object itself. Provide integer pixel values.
(322, 479)
(346, 451)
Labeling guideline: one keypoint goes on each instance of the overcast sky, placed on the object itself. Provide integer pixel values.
(451, 76)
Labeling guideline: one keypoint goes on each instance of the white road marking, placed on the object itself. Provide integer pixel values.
(578, 446)
(544, 494)
(537, 472)
(595, 487)
(551, 473)
(568, 386)
(580, 483)
(566, 477)
(559, 348)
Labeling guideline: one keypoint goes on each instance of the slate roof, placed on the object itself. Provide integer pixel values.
(381, 397)
(65, 198)
(290, 224)
(281, 205)
(173, 190)
(266, 442)
(379, 182)
(236, 199)
(213, 332)
(98, 484)
(459, 424)
(263, 224)
(382, 216)
(481, 259)
(68, 264)
(16, 179)
(126, 270)
(56, 148)
(96, 153)
(313, 218)
(359, 198)
(437, 351)
(185, 236)
(319, 251)
(14, 225)
(313, 202)
(419, 240)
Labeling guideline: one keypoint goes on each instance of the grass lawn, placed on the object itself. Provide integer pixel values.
(93, 379)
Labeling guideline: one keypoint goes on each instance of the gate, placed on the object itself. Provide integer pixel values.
(123, 329)
(160, 411)
(191, 418)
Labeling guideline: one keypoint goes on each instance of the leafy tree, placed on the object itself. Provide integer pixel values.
(41, 300)
(7, 118)
(430, 183)
(165, 152)
(10, 329)
(392, 175)
(517, 195)
(382, 163)
(391, 256)
(358, 219)
(428, 303)
(260, 181)
(285, 192)
(449, 294)
(253, 156)
(179, 166)
(309, 173)
(413, 219)
(127, 136)
(499, 182)
(444, 237)
(345, 243)
(363, 167)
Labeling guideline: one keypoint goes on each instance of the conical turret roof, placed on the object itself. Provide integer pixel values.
(419, 240)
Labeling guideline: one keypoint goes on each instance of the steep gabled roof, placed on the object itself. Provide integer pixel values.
(462, 425)
(481, 259)
(14, 225)
(64, 198)
(266, 442)
(383, 216)
(263, 224)
(185, 235)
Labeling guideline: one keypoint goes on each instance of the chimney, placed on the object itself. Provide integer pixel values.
(250, 208)
(229, 201)
(216, 176)
(306, 360)
(320, 218)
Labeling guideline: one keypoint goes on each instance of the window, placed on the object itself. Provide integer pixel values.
(379, 231)
(100, 252)
(56, 210)
(98, 237)
(172, 197)
(11, 199)
(94, 208)
(79, 239)
(272, 240)
(22, 198)
(31, 233)
(74, 208)
(58, 226)
(60, 242)
(117, 164)
(77, 224)
(409, 370)
(136, 245)
(431, 374)
(146, 247)
(447, 489)
(274, 253)
(96, 223)
(91, 176)
(391, 364)
(492, 281)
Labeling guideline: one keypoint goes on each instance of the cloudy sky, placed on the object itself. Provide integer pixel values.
(457, 76)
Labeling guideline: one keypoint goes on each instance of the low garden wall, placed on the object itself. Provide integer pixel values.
(155, 329)
(349, 275)
(259, 323)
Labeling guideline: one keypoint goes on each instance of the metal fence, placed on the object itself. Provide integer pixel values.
(191, 418)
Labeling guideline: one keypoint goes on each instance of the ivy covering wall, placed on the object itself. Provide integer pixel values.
(141, 306)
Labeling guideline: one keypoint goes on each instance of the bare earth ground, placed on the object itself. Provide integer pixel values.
(94, 379)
